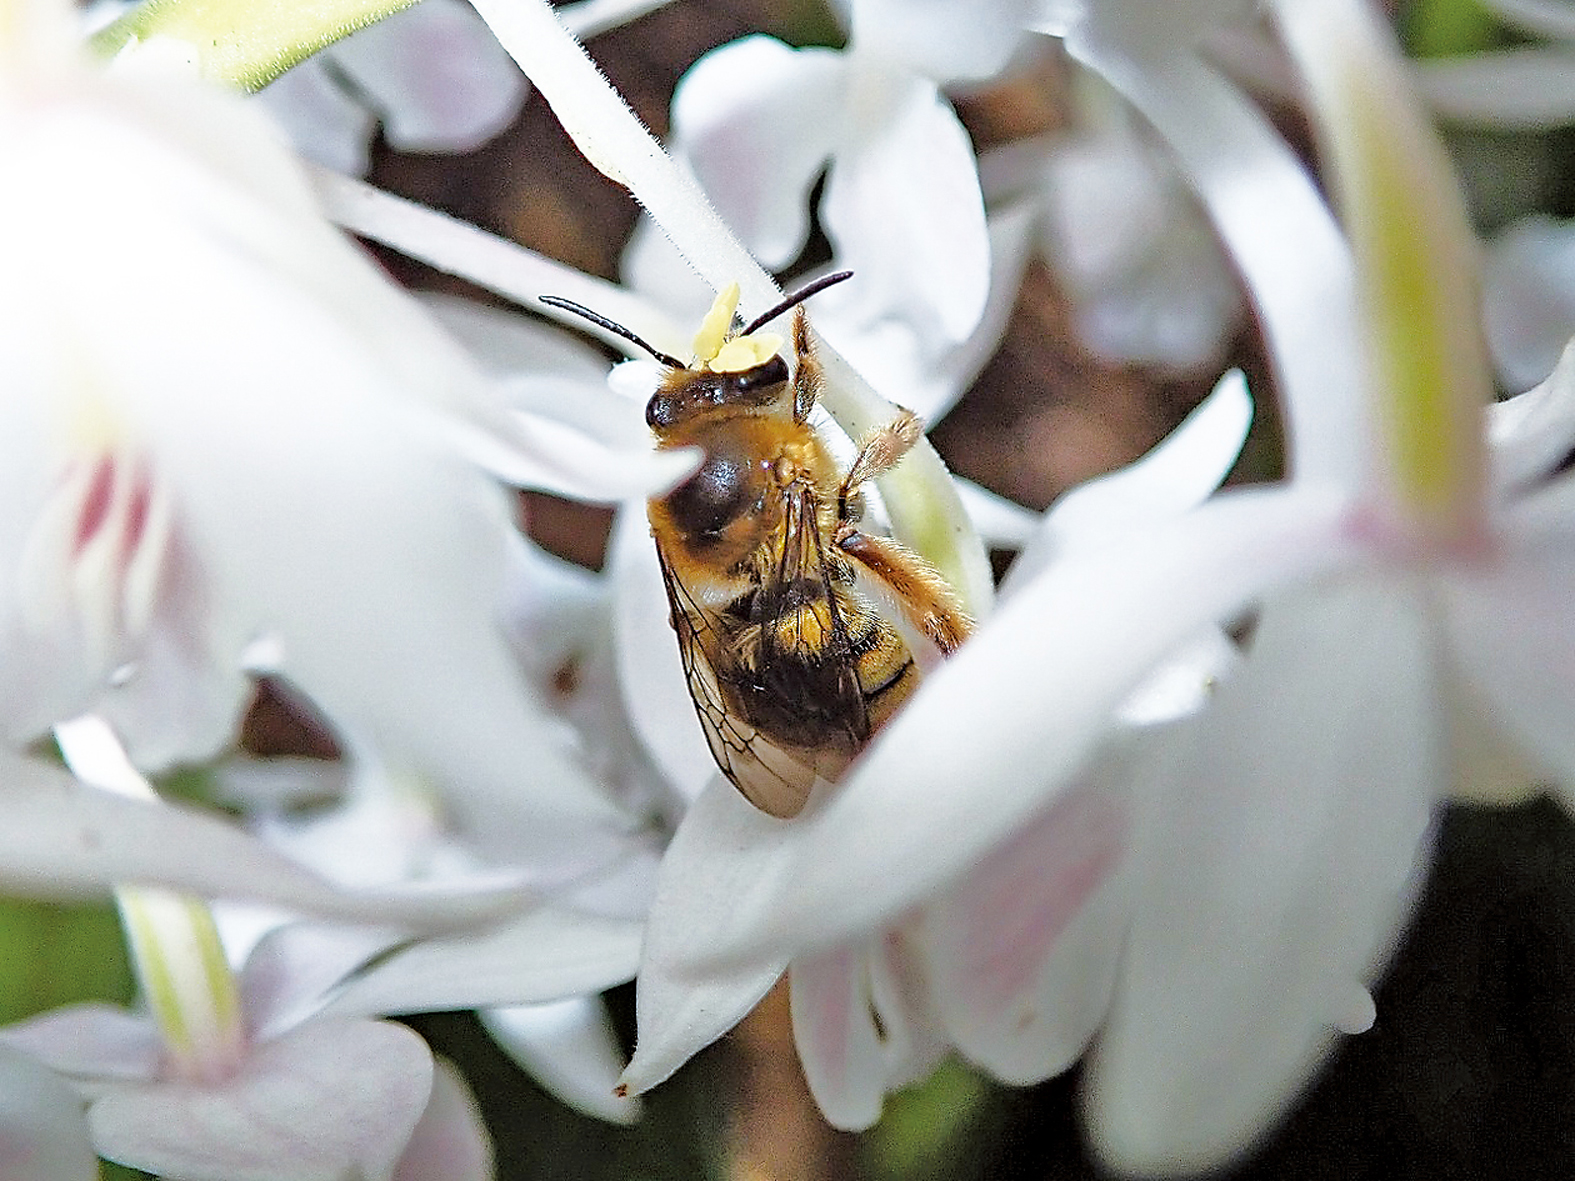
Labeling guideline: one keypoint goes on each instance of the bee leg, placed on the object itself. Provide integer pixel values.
(807, 373)
(879, 451)
(925, 599)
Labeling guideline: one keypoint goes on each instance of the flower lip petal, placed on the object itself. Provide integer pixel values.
(1266, 909)
(828, 879)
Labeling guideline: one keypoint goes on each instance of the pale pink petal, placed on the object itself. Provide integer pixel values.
(43, 1136)
(324, 123)
(89, 1042)
(1000, 730)
(682, 1006)
(551, 953)
(757, 121)
(1023, 950)
(436, 76)
(1282, 832)
(926, 259)
(834, 1030)
(569, 1047)
(450, 1142)
(329, 1100)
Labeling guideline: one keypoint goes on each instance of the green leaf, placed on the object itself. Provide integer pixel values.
(921, 1127)
(1443, 28)
(247, 43)
(53, 955)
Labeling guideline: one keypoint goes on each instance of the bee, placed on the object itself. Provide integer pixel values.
(789, 662)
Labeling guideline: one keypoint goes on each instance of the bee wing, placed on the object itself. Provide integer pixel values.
(770, 777)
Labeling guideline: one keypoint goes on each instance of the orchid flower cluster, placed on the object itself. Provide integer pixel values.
(1168, 810)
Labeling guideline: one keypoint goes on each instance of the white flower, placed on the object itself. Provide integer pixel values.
(1410, 638)
(224, 424)
(43, 1136)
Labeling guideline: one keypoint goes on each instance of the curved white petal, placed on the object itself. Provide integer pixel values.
(90, 1042)
(1002, 728)
(925, 259)
(547, 955)
(757, 120)
(436, 76)
(450, 1142)
(723, 845)
(650, 672)
(43, 1136)
(1282, 830)
(1179, 474)
(331, 1099)
(64, 840)
(944, 40)
(1528, 297)
(1550, 18)
(325, 124)
(1532, 433)
(1269, 215)
(1531, 88)
(1023, 950)
(1002, 523)
(569, 1047)
(834, 1030)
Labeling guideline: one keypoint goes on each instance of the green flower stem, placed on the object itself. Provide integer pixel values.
(247, 43)
(176, 953)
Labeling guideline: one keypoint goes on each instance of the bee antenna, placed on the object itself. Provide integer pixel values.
(601, 321)
(795, 299)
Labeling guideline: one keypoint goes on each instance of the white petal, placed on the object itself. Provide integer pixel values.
(89, 1042)
(331, 1099)
(1000, 730)
(43, 1136)
(437, 77)
(1510, 637)
(569, 1047)
(942, 39)
(1549, 18)
(1022, 951)
(295, 965)
(925, 259)
(757, 120)
(720, 849)
(547, 955)
(1528, 298)
(64, 840)
(451, 1142)
(1531, 88)
(1002, 523)
(835, 1033)
(1532, 433)
(650, 672)
(1280, 855)
(325, 124)
(1180, 473)
(1271, 219)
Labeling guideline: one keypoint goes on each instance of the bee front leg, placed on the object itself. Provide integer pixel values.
(807, 373)
(879, 451)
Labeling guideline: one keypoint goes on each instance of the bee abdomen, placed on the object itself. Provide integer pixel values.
(885, 668)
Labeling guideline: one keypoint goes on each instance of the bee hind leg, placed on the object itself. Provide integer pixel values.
(916, 588)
